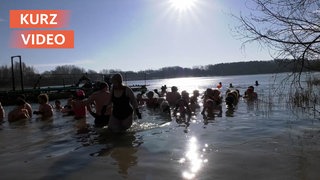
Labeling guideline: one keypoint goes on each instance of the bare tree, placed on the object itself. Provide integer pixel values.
(291, 28)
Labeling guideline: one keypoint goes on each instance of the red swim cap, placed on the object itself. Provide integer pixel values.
(80, 93)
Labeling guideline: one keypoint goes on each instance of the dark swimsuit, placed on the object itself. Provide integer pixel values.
(121, 106)
(101, 120)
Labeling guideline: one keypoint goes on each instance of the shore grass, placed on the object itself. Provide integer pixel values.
(306, 98)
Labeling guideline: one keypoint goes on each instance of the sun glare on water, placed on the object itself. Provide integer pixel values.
(182, 5)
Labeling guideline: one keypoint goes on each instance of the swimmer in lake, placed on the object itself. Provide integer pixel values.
(67, 109)
(163, 91)
(20, 112)
(78, 106)
(232, 98)
(212, 103)
(152, 100)
(173, 96)
(45, 109)
(57, 105)
(182, 109)
(140, 99)
(124, 104)
(194, 101)
(250, 94)
(101, 100)
(27, 105)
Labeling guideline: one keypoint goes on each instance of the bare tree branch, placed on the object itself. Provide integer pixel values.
(291, 28)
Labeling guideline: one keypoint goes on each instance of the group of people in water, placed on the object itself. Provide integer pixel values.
(113, 108)
(116, 107)
(182, 105)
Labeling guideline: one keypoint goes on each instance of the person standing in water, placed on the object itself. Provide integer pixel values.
(124, 103)
(101, 100)
(173, 96)
(78, 107)
(250, 94)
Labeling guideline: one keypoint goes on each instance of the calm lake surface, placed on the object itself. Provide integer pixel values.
(266, 139)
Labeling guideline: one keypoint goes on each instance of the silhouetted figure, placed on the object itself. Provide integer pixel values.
(249, 94)
(124, 104)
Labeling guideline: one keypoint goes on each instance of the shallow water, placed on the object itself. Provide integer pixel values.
(261, 140)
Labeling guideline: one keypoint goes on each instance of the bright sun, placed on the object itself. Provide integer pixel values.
(182, 5)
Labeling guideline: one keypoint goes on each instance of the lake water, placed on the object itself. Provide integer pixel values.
(266, 139)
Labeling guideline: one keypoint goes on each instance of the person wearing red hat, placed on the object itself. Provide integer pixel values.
(78, 107)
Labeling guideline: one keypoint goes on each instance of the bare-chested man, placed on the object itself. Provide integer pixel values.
(101, 100)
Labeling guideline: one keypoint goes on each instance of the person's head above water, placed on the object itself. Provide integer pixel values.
(103, 85)
(174, 89)
(117, 79)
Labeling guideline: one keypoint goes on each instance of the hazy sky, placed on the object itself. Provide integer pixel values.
(136, 34)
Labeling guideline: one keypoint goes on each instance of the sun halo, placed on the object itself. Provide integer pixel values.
(182, 5)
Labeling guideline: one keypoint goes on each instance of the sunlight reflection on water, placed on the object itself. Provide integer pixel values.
(248, 143)
(194, 157)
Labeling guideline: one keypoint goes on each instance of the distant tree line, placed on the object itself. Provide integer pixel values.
(225, 69)
(71, 74)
